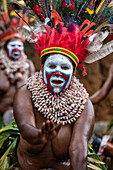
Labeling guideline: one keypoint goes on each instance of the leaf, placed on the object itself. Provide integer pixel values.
(95, 161)
(93, 167)
(94, 158)
(5, 160)
(12, 126)
(1, 119)
(3, 140)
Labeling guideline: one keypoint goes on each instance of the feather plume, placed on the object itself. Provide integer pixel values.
(25, 31)
(108, 12)
(103, 52)
(2, 28)
(5, 5)
(72, 22)
(43, 7)
(35, 7)
(103, 4)
(56, 4)
(79, 2)
(97, 41)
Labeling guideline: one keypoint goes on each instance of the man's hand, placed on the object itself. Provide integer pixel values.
(49, 131)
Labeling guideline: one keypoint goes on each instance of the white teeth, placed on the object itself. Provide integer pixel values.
(57, 79)
(54, 78)
(16, 52)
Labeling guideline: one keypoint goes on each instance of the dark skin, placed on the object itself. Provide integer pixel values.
(8, 89)
(43, 144)
(102, 92)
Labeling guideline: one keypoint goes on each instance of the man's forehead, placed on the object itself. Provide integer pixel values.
(57, 57)
(18, 41)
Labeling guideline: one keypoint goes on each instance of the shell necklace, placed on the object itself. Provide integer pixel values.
(63, 107)
(11, 67)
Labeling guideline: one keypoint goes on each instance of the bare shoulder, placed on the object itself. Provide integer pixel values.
(88, 110)
(89, 105)
(31, 67)
(30, 63)
(22, 93)
(22, 100)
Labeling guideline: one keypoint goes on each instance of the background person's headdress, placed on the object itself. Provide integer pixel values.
(77, 28)
(9, 21)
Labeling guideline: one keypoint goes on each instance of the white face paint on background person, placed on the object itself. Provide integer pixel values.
(14, 49)
(57, 72)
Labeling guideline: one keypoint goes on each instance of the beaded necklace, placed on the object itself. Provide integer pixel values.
(63, 107)
(11, 67)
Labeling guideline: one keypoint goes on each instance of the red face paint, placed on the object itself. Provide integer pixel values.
(14, 49)
(57, 79)
(57, 72)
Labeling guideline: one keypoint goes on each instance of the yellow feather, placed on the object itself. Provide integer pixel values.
(5, 5)
(13, 13)
(100, 26)
(99, 6)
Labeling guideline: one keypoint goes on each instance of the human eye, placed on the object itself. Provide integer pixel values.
(12, 45)
(52, 66)
(64, 67)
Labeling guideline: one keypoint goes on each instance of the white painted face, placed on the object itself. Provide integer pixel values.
(14, 49)
(57, 73)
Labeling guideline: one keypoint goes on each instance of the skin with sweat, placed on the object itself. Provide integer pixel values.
(43, 144)
(7, 89)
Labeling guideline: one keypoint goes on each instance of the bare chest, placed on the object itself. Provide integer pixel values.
(60, 144)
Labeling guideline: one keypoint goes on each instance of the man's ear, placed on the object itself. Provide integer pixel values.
(74, 70)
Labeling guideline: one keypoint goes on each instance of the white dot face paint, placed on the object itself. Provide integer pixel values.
(57, 73)
(14, 49)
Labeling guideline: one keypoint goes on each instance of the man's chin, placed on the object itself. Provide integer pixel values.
(14, 58)
(57, 89)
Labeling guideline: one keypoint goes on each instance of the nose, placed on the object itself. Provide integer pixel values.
(57, 73)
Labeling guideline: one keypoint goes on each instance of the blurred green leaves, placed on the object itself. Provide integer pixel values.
(94, 161)
(9, 138)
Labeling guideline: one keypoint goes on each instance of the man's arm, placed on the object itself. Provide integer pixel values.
(31, 68)
(82, 131)
(102, 93)
(4, 82)
(25, 119)
(24, 115)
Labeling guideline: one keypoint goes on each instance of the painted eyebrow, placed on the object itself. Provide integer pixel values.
(51, 62)
(66, 65)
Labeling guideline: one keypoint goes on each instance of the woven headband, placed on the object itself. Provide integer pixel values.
(60, 50)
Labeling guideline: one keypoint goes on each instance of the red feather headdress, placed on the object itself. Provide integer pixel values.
(76, 29)
(65, 41)
(9, 22)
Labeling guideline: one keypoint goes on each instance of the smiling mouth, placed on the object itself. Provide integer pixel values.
(57, 82)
